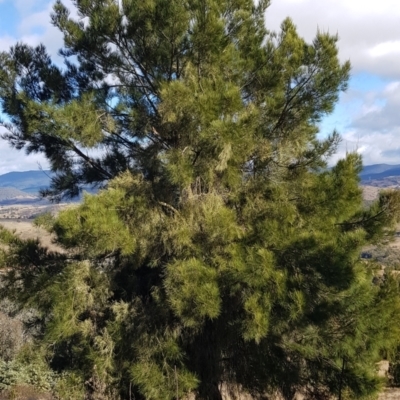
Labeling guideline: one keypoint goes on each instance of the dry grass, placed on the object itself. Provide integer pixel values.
(30, 211)
(26, 230)
(370, 192)
(24, 392)
(11, 336)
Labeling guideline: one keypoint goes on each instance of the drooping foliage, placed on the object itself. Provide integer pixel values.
(221, 249)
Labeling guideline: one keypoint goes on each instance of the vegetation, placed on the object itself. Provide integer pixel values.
(221, 249)
(9, 193)
(386, 256)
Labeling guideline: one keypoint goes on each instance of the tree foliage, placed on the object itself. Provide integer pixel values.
(220, 248)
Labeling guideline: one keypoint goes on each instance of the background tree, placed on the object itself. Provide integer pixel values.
(221, 249)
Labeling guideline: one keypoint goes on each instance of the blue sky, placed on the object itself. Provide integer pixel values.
(367, 115)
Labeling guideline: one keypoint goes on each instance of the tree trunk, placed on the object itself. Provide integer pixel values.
(207, 354)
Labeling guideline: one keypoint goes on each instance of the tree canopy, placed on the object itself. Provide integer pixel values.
(220, 248)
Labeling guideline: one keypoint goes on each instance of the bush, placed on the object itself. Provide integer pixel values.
(387, 256)
(11, 336)
(16, 373)
(24, 392)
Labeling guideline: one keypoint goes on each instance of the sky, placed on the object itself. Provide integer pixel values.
(367, 115)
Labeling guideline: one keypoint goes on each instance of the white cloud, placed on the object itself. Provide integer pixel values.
(370, 38)
(392, 87)
(15, 160)
(6, 42)
(385, 48)
(35, 28)
(49, 35)
(375, 148)
(25, 7)
(374, 128)
(367, 29)
(19, 161)
(11, 159)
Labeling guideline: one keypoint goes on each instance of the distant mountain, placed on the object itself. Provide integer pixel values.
(10, 195)
(7, 193)
(379, 171)
(30, 182)
(385, 174)
(27, 181)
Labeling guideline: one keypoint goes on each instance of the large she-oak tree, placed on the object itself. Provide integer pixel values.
(220, 251)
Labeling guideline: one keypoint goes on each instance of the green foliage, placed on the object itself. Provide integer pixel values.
(220, 248)
(193, 292)
(13, 373)
(97, 222)
(11, 337)
(44, 220)
(69, 386)
(386, 257)
(18, 378)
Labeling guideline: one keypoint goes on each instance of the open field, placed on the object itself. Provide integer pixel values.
(26, 230)
(385, 182)
(19, 218)
(370, 192)
(30, 211)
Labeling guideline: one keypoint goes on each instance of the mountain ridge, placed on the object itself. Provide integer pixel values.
(31, 181)
(377, 171)
(378, 168)
(27, 184)
(9, 193)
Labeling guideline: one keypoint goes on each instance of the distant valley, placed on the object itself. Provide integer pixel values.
(19, 195)
(10, 194)
(381, 175)
(18, 188)
(22, 188)
(27, 181)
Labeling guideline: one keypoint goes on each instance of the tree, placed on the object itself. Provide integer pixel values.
(221, 248)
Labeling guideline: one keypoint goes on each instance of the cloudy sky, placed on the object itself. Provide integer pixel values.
(368, 114)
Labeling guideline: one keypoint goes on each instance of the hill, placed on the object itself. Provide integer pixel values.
(30, 182)
(12, 195)
(379, 172)
(378, 169)
(27, 181)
